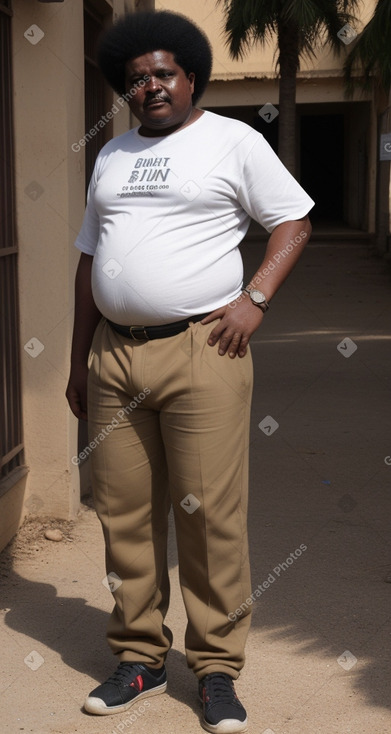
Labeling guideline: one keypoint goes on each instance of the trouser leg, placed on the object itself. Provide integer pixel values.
(129, 480)
(205, 430)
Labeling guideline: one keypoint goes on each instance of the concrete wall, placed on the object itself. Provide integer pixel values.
(49, 83)
(258, 91)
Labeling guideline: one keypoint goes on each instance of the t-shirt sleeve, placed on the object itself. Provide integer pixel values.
(268, 192)
(88, 236)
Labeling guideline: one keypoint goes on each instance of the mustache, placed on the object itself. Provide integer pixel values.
(157, 98)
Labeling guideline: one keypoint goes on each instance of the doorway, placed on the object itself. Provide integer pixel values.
(322, 165)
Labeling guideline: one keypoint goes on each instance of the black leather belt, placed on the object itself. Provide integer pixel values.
(140, 333)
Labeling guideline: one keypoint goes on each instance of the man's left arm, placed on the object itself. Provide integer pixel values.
(240, 318)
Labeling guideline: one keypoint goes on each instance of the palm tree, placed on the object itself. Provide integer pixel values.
(371, 53)
(370, 59)
(300, 28)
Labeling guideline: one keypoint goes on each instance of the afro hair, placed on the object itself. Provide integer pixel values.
(136, 34)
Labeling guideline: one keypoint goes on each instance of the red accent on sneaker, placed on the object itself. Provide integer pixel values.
(137, 683)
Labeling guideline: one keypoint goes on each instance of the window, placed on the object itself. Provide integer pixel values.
(11, 446)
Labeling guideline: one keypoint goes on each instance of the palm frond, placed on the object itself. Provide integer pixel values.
(371, 54)
(248, 22)
(320, 21)
(314, 23)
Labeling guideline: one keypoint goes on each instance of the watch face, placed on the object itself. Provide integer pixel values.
(257, 297)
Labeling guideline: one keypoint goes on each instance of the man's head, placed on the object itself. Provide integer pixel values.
(138, 34)
(159, 93)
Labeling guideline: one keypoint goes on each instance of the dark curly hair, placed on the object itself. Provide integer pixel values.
(136, 34)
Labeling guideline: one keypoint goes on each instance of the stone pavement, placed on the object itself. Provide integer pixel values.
(318, 655)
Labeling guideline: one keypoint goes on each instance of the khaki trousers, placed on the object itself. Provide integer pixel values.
(183, 443)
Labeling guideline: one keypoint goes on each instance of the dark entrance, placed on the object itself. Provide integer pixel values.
(322, 165)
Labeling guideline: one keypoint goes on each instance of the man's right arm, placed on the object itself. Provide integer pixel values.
(86, 320)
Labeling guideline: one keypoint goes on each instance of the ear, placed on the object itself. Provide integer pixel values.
(191, 79)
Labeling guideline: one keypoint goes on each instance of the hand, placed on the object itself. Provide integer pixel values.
(76, 392)
(238, 321)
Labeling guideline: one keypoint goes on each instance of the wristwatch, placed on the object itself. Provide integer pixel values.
(258, 298)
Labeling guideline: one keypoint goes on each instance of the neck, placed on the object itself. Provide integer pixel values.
(149, 132)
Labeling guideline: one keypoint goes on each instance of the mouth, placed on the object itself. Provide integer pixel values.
(156, 102)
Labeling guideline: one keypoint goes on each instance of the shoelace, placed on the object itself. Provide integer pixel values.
(221, 689)
(122, 674)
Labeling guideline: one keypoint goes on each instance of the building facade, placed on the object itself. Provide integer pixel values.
(56, 113)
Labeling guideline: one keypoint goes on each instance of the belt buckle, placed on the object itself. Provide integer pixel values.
(136, 338)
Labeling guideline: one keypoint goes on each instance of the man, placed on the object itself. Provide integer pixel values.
(170, 374)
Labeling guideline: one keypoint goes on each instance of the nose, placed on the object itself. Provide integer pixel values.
(153, 84)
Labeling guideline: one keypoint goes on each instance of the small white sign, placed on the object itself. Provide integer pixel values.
(190, 503)
(268, 112)
(385, 147)
(112, 581)
(112, 268)
(347, 347)
(190, 190)
(268, 425)
(33, 347)
(347, 660)
(34, 34)
(347, 34)
(34, 660)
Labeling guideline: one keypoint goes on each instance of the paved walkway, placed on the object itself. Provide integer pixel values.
(318, 656)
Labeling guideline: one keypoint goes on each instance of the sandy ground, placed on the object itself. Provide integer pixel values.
(318, 655)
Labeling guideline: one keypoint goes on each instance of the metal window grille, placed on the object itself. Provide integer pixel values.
(11, 445)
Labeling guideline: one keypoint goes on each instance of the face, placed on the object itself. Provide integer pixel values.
(164, 103)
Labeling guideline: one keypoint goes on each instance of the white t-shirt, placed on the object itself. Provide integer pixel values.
(165, 216)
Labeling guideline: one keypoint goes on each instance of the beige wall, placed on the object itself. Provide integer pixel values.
(48, 83)
(258, 91)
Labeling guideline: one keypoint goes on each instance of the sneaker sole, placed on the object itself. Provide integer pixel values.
(96, 706)
(227, 726)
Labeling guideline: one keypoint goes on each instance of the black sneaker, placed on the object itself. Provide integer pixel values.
(223, 712)
(128, 684)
